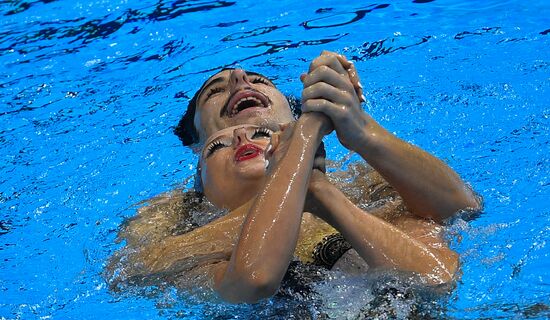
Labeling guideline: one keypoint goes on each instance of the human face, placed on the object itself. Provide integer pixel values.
(233, 164)
(235, 97)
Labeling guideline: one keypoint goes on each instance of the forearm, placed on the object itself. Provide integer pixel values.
(270, 230)
(428, 186)
(382, 244)
(213, 242)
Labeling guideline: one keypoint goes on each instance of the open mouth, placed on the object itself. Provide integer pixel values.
(243, 100)
(246, 152)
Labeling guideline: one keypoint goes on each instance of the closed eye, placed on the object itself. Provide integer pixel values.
(261, 133)
(213, 91)
(213, 147)
(261, 80)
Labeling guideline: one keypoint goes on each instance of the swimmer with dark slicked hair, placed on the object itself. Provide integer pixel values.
(270, 177)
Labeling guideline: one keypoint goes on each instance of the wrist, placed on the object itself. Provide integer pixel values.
(318, 183)
(314, 124)
(371, 138)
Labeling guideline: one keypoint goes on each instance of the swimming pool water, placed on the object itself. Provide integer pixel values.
(90, 92)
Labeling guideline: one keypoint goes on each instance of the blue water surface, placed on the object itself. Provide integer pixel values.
(90, 91)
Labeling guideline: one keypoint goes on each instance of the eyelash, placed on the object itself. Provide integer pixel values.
(213, 147)
(260, 80)
(263, 132)
(216, 145)
(213, 91)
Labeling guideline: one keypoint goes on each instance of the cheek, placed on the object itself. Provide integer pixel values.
(217, 178)
(204, 124)
(213, 185)
(282, 108)
(227, 185)
(212, 176)
(207, 119)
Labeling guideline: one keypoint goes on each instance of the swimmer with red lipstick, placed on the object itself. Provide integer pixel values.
(234, 154)
(262, 178)
(262, 173)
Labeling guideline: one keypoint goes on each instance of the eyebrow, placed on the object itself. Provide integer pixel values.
(214, 81)
(222, 79)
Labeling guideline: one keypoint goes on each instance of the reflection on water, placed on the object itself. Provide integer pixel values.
(90, 91)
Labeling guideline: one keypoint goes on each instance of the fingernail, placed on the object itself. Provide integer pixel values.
(266, 164)
(268, 149)
(363, 98)
(359, 84)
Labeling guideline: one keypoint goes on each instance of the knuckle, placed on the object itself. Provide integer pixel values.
(324, 68)
(306, 92)
(307, 106)
(340, 112)
(332, 57)
(322, 103)
(347, 83)
(321, 85)
(316, 62)
(349, 99)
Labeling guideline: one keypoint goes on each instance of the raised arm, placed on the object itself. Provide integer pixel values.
(270, 230)
(428, 186)
(413, 244)
(245, 254)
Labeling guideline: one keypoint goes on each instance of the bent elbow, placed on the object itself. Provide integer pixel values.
(445, 274)
(249, 288)
(463, 204)
(472, 201)
(440, 278)
(259, 287)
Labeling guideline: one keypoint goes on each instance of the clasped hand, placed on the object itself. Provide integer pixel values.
(332, 87)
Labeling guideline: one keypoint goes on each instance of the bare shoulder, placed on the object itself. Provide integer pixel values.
(168, 214)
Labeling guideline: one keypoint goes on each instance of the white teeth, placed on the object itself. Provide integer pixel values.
(234, 110)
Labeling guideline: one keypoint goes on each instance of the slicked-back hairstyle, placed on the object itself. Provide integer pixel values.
(188, 133)
(185, 130)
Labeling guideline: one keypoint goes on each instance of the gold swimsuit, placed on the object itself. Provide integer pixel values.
(319, 243)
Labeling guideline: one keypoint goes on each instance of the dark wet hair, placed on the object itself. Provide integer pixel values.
(188, 133)
(185, 130)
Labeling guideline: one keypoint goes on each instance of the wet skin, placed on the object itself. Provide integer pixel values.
(255, 240)
(233, 164)
(234, 161)
(234, 97)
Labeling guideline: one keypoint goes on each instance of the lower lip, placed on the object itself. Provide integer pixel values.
(252, 155)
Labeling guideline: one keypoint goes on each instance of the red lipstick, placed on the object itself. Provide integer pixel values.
(247, 152)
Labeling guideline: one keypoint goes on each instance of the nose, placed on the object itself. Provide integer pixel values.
(238, 80)
(239, 137)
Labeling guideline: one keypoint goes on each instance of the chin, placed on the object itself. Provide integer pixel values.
(252, 169)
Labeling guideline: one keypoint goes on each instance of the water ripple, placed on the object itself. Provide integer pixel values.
(101, 28)
(252, 33)
(340, 19)
(378, 48)
(479, 32)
